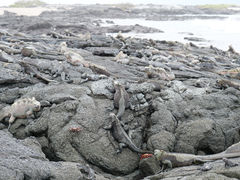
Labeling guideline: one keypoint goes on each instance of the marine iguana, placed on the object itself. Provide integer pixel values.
(224, 83)
(88, 173)
(72, 57)
(175, 159)
(121, 98)
(180, 159)
(228, 163)
(30, 70)
(158, 72)
(21, 108)
(121, 136)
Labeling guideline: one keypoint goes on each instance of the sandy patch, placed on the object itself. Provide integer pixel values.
(27, 11)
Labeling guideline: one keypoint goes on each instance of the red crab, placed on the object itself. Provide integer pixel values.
(75, 129)
(143, 156)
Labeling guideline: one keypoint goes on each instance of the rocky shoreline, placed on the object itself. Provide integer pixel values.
(182, 98)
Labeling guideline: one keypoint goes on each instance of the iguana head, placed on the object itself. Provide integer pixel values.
(63, 44)
(158, 153)
(63, 47)
(112, 115)
(114, 118)
(36, 104)
(116, 84)
(148, 68)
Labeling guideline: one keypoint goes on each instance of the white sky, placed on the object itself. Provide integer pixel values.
(189, 2)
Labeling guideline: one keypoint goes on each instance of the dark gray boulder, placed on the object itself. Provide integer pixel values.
(25, 160)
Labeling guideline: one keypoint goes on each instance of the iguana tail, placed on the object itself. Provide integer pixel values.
(134, 148)
(141, 151)
(220, 156)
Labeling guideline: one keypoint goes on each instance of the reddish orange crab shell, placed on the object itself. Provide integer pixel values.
(75, 129)
(143, 156)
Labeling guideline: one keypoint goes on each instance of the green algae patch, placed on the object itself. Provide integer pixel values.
(27, 3)
(216, 6)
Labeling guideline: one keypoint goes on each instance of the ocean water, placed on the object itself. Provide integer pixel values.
(217, 32)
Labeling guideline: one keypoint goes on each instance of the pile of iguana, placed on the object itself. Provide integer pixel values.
(121, 101)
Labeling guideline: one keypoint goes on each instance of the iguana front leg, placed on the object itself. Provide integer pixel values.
(10, 121)
(108, 127)
(229, 163)
(166, 164)
(110, 138)
(29, 112)
(120, 147)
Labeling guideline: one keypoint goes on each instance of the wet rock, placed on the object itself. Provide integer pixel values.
(40, 126)
(197, 39)
(28, 51)
(4, 57)
(9, 76)
(149, 166)
(139, 103)
(141, 88)
(187, 33)
(163, 140)
(70, 146)
(190, 112)
(101, 149)
(103, 51)
(33, 143)
(9, 14)
(39, 25)
(53, 92)
(134, 28)
(202, 133)
(182, 74)
(21, 159)
(10, 96)
(109, 22)
(161, 119)
(103, 87)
